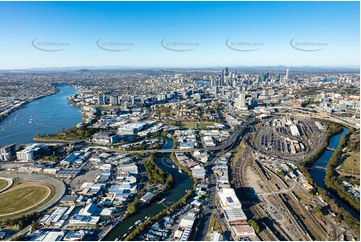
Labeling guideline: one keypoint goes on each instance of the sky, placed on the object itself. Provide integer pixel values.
(178, 34)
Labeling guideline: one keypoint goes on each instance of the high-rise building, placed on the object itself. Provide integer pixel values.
(222, 79)
(253, 102)
(254, 95)
(113, 100)
(8, 152)
(241, 101)
(286, 76)
(271, 92)
(277, 78)
(132, 100)
(226, 70)
(101, 100)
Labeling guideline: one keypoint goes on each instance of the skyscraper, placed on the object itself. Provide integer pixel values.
(113, 100)
(241, 101)
(222, 79)
(286, 76)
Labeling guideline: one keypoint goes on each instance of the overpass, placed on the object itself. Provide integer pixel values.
(227, 144)
(322, 115)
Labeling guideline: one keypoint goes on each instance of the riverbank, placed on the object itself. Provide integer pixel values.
(169, 210)
(182, 184)
(328, 196)
(23, 103)
(47, 115)
(331, 177)
(45, 140)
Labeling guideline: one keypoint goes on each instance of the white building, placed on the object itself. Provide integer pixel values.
(294, 130)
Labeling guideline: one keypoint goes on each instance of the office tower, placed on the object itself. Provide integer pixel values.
(254, 102)
(271, 92)
(226, 82)
(226, 71)
(241, 101)
(113, 100)
(215, 89)
(286, 76)
(222, 79)
(277, 78)
(101, 100)
(234, 82)
(254, 95)
(265, 92)
(212, 82)
(8, 152)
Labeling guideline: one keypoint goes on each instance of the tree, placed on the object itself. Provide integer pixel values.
(131, 209)
(255, 226)
(317, 211)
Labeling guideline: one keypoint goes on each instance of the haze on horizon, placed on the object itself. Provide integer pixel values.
(173, 34)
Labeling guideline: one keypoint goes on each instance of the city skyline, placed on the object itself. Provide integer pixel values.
(203, 34)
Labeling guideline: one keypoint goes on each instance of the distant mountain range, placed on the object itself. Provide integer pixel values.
(211, 68)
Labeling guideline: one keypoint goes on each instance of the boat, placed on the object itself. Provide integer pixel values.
(180, 171)
(138, 222)
(30, 120)
(161, 201)
(173, 166)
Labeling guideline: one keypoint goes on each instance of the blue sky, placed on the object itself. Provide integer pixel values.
(194, 34)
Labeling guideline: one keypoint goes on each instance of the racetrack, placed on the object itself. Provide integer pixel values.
(23, 197)
(44, 183)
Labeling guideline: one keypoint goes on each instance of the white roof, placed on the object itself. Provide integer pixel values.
(54, 236)
(231, 205)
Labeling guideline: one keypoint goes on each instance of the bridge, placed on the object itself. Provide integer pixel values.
(330, 149)
(318, 167)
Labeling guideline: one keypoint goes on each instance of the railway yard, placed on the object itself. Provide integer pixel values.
(287, 137)
(274, 192)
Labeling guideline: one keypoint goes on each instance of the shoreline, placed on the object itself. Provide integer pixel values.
(27, 102)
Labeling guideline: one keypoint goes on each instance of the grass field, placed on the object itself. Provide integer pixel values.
(352, 162)
(3, 184)
(22, 198)
(200, 125)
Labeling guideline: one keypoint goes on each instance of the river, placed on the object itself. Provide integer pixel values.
(319, 174)
(45, 115)
(201, 82)
(182, 182)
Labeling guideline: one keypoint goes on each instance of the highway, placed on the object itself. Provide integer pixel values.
(230, 144)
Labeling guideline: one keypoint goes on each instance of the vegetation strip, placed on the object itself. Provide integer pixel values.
(182, 202)
(334, 129)
(331, 178)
